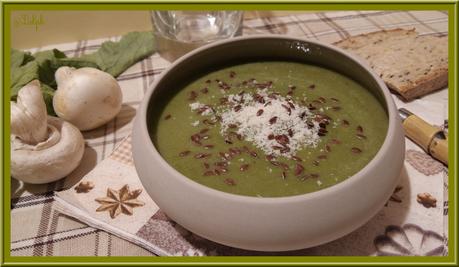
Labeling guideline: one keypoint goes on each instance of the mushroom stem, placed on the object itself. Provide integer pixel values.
(43, 149)
(28, 115)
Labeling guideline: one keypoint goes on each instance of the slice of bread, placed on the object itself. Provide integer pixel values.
(410, 64)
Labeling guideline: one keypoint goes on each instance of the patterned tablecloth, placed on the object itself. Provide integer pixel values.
(402, 227)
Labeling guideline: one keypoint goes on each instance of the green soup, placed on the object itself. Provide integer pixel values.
(270, 129)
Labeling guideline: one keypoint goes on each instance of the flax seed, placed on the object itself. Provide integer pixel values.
(193, 95)
(298, 169)
(295, 158)
(230, 181)
(202, 155)
(184, 153)
(209, 173)
(244, 167)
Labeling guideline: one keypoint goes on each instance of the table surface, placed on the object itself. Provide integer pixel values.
(38, 229)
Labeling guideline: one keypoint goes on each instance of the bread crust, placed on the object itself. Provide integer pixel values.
(366, 45)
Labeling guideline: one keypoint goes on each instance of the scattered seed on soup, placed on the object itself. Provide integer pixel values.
(230, 181)
(356, 150)
(193, 95)
(196, 138)
(221, 164)
(168, 116)
(221, 170)
(361, 136)
(304, 177)
(298, 159)
(184, 153)
(299, 169)
(201, 155)
(209, 173)
(208, 122)
(289, 111)
(244, 167)
(282, 139)
(335, 141)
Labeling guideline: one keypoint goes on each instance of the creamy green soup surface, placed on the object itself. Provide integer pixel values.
(270, 129)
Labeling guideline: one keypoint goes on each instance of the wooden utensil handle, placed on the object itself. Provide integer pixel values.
(439, 149)
(426, 136)
(420, 131)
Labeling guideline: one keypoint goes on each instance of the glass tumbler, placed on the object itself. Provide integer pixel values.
(178, 32)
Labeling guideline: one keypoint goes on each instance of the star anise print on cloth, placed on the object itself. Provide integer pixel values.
(120, 201)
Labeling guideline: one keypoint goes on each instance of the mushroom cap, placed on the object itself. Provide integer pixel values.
(38, 164)
(86, 97)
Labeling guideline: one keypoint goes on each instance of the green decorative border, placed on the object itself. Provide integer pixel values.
(451, 6)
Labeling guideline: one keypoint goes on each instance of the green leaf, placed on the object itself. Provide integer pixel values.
(76, 63)
(116, 57)
(19, 58)
(48, 94)
(22, 75)
(50, 55)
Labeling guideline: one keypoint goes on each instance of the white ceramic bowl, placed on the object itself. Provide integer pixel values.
(269, 224)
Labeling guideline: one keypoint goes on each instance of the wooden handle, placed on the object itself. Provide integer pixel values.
(439, 149)
(420, 131)
(425, 135)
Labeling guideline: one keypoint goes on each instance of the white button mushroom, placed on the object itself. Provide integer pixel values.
(43, 148)
(86, 97)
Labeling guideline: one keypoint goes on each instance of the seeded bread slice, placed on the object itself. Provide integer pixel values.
(410, 64)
